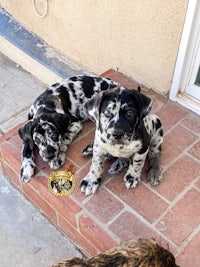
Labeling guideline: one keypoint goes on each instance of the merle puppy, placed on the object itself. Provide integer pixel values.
(124, 129)
(54, 120)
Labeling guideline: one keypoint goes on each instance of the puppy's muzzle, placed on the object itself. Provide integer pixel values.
(50, 152)
(118, 133)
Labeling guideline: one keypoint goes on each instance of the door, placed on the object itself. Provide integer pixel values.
(186, 82)
(192, 88)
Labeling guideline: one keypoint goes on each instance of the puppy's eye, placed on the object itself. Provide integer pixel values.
(37, 140)
(54, 136)
(130, 113)
(107, 113)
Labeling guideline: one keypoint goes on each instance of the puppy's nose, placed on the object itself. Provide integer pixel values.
(118, 133)
(50, 152)
(50, 149)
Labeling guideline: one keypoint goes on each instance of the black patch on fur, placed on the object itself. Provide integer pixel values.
(65, 100)
(55, 84)
(84, 183)
(158, 124)
(104, 85)
(45, 100)
(104, 141)
(143, 150)
(88, 85)
(71, 87)
(74, 79)
(97, 181)
(27, 151)
(30, 116)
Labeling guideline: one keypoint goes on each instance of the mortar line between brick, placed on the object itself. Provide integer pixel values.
(150, 225)
(174, 126)
(188, 239)
(181, 155)
(81, 167)
(156, 193)
(75, 164)
(7, 164)
(191, 131)
(184, 152)
(189, 147)
(82, 249)
(176, 200)
(192, 157)
(104, 226)
(131, 210)
(116, 216)
(83, 136)
(197, 188)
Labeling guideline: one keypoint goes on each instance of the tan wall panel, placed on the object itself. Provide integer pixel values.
(141, 38)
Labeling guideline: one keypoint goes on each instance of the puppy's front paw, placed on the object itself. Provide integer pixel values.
(154, 177)
(131, 181)
(89, 185)
(27, 171)
(57, 162)
(119, 165)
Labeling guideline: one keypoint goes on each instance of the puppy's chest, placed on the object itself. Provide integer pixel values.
(121, 150)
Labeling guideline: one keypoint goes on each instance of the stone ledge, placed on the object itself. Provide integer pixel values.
(33, 53)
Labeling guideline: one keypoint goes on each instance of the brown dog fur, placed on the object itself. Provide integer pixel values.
(134, 253)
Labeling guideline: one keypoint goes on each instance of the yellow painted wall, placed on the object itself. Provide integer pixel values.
(140, 37)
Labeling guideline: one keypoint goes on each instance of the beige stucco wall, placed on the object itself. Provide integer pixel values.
(141, 38)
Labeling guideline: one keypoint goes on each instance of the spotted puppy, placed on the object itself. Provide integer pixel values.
(55, 119)
(124, 129)
(134, 253)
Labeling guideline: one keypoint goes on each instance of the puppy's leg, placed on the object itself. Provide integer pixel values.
(91, 181)
(28, 164)
(133, 175)
(154, 171)
(118, 165)
(69, 136)
(88, 150)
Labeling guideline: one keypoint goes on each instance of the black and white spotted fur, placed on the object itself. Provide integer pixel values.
(55, 118)
(126, 130)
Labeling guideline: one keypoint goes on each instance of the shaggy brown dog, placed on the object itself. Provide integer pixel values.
(134, 253)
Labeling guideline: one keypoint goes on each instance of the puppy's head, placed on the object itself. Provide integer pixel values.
(118, 113)
(46, 132)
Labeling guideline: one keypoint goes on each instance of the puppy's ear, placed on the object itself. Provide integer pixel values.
(144, 103)
(25, 133)
(92, 107)
(61, 121)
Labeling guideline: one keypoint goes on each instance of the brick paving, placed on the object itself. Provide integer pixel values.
(169, 212)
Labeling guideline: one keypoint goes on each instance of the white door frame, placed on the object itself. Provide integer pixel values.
(176, 94)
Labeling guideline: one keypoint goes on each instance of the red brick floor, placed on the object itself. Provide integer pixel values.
(169, 212)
